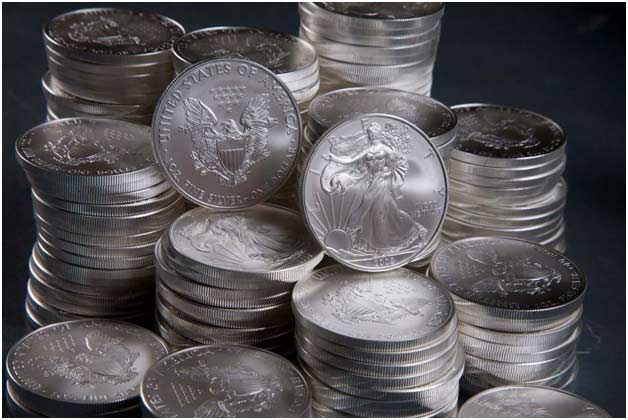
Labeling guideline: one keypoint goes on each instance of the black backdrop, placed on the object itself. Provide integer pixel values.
(564, 60)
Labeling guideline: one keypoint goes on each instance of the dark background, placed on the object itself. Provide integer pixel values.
(567, 61)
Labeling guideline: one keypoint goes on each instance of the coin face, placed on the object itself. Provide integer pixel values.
(262, 238)
(501, 132)
(86, 363)
(508, 273)
(225, 381)
(529, 401)
(395, 306)
(385, 10)
(279, 52)
(227, 133)
(434, 118)
(87, 147)
(374, 192)
(113, 32)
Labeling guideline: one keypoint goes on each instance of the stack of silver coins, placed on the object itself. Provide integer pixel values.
(517, 401)
(377, 344)
(218, 381)
(506, 176)
(112, 63)
(84, 368)
(519, 306)
(293, 60)
(227, 277)
(374, 44)
(100, 204)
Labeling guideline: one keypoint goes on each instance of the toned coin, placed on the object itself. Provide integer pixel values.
(82, 368)
(374, 192)
(529, 401)
(227, 133)
(225, 381)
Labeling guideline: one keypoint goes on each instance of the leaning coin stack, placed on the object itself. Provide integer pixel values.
(377, 344)
(112, 63)
(529, 401)
(100, 204)
(85, 368)
(374, 44)
(225, 381)
(227, 277)
(506, 176)
(293, 60)
(519, 306)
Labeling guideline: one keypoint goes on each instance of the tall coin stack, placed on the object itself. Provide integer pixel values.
(519, 306)
(506, 176)
(374, 44)
(111, 63)
(431, 116)
(100, 204)
(227, 277)
(377, 344)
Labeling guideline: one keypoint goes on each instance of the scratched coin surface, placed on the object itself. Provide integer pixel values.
(225, 381)
(374, 192)
(227, 133)
(509, 274)
(82, 367)
(529, 401)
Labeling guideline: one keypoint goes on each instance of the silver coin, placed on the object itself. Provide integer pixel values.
(60, 368)
(395, 310)
(374, 192)
(529, 401)
(264, 243)
(387, 11)
(510, 278)
(232, 381)
(463, 169)
(112, 36)
(505, 137)
(204, 151)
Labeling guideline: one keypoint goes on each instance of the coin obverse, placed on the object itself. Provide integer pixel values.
(374, 192)
(225, 381)
(227, 133)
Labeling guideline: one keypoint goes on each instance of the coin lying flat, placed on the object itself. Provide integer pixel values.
(225, 381)
(374, 192)
(529, 401)
(227, 133)
(61, 368)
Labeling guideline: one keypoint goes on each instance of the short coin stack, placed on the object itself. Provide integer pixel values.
(108, 63)
(374, 44)
(505, 176)
(293, 60)
(377, 345)
(100, 204)
(529, 401)
(226, 277)
(85, 368)
(519, 305)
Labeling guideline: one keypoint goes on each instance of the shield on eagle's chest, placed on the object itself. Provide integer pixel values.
(231, 152)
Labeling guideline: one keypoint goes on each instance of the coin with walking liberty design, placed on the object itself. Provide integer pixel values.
(227, 133)
(374, 192)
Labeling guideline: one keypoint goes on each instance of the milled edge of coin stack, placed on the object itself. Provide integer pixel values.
(227, 277)
(101, 64)
(529, 401)
(365, 45)
(436, 119)
(293, 60)
(494, 194)
(512, 332)
(367, 348)
(100, 204)
(241, 381)
(82, 368)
